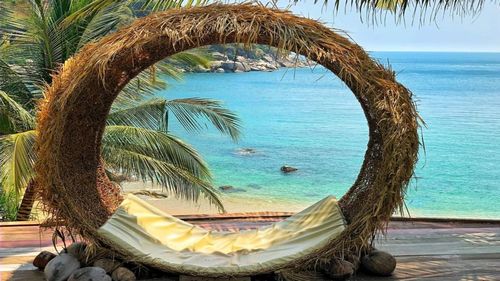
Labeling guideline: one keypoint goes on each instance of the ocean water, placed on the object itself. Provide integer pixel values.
(308, 119)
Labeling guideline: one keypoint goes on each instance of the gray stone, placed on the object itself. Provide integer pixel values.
(268, 58)
(219, 56)
(123, 274)
(378, 263)
(227, 65)
(220, 70)
(61, 267)
(89, 274)
(241, 59)
(108, 265)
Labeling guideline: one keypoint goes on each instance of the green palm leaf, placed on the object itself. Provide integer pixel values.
(159, 145)
(160, 158)
(17, 157)
(189, 110)
(13, 117)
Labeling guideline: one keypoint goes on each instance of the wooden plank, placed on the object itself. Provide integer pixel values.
(424, 250)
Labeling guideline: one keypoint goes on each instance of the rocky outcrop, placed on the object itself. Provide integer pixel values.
(247, 61)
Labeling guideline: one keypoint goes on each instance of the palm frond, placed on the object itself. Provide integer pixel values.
(13, 83)
(13, 117)
(426, 9)
(141, 88)
(158, 145)
(160, 158)
(143, 5)
(17, 157)
(189, 110)
(105, 21)
(148, 115)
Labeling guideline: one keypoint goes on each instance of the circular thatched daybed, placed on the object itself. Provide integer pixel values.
(73, 114)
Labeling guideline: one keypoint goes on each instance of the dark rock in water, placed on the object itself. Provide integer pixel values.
(108, 265)
(288, 169)
(42, 259)
(77, 250)
(123, 274)
(61, 267)
(89, 274)
(226, 187)
(254, 186)
(246, 151)
(378, 263)
(231, 189)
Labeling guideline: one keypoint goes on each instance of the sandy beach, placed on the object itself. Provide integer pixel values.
(233, 202)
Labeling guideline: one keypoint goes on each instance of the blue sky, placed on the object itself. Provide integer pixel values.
(480, 33)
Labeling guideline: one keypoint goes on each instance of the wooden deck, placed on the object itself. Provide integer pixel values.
(425, 249)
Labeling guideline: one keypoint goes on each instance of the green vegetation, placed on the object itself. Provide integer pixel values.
(37, 39)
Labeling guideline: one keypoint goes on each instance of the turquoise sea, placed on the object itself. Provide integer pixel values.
(307, 119)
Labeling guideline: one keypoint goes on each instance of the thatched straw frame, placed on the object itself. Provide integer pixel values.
(73, 114)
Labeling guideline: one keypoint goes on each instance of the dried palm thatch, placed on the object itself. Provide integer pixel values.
(73, 114)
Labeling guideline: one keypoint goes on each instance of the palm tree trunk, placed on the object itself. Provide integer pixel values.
(24, 212)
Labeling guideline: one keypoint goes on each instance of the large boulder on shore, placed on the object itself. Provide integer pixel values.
(61, 267)
(231, 66)
(378, 263)
(219, 56)
(89, 274)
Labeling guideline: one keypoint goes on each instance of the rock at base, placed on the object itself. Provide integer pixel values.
(108, 265)
(61, 267)
(339, 269)
(42, 259)
(89, 274)
(288, 169)
(123, 274)
(77, 250)
(335, 268)
(378, 263)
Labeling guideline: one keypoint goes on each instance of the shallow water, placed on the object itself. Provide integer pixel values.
(309, 120)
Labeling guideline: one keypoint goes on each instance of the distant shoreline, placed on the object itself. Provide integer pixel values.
(245, 203)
